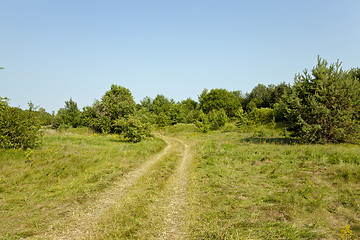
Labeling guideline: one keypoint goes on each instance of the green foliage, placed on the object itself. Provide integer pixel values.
(161, 104)
(18, 128)
(241, 118)
(188, 105)
(217, 119)
(44, 117)
(218, 99)
(146, 116)
(162, 119)
(132, 129)
(70, 115)
(117, 102)
(87, 116)
(255, 117)
(175, 114)
(324, 106)
(355, 72)
(102, 124)
(104, 115)
(166, 112)
(261, 115)
(265, 96)
(202, 123)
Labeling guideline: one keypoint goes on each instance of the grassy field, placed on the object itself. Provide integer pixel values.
(269, 187)
(39, 186)
(250, 184)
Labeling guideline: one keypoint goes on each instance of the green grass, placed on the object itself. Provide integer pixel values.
(38, 186)
(133, 216)
(270, 187)
(256, 183)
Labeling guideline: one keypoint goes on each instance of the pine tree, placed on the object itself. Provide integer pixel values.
(324, 106)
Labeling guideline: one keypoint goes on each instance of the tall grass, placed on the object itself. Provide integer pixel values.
(38, 186)
(247, 186)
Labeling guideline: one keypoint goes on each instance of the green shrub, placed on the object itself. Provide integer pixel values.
(175, 114)
(241, 118)
(217, 118)
(192, 116)
(18, 128)
(101, 124)
(163, 119)
(132, 129)
(261, 115)
(202, 123)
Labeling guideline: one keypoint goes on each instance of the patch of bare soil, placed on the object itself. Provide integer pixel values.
(175, 201)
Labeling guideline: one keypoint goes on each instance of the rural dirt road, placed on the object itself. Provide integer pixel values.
(171, 207)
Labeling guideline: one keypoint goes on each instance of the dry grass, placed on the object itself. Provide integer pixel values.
(37, 187)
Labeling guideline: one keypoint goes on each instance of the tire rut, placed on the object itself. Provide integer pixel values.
(175, 202)
(83, 218)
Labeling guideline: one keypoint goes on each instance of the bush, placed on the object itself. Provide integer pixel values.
(217, 119)
(261, 115)
(192, 116)
(102, 124)
(163, 119)
(241, 118)
(202, 123)
(132, 129)
(18, 128)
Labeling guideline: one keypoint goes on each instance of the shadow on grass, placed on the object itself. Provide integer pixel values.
(272, 140)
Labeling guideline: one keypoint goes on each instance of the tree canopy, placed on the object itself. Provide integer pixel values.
(217, 99)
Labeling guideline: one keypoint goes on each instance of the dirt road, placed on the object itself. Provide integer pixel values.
(170, 206)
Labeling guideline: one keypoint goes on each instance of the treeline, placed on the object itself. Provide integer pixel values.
(117, 112)
(320, 106)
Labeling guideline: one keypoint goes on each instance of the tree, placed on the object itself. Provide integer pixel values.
(69, 115)
(324, 106)
(165, 112)
(161, 104)
(263, 96)
(188, 105)
(188, 109)
(258, 97)
(118, 102)
(218, 99)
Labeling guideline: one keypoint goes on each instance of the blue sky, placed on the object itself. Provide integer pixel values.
(54, 50)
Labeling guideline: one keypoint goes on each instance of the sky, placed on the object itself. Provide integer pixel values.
(52, 51)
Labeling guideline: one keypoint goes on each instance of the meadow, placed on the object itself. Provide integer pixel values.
(254, 183)
(270, 187)
(39, 186)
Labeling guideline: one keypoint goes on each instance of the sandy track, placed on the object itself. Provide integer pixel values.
(170, 208)
(83, 218)
(175, 204)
